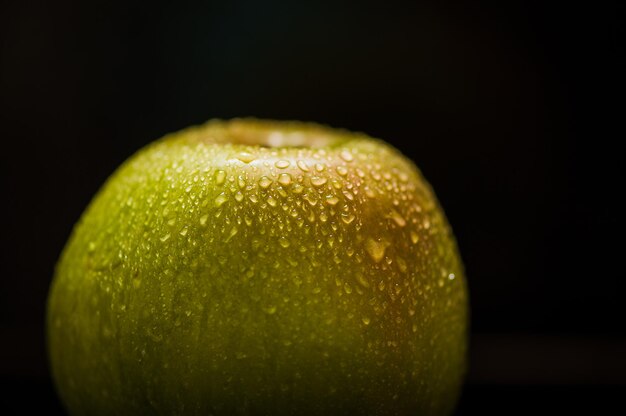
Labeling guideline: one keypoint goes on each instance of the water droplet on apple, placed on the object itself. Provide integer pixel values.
(220, 200)
(318, 181)
(401, 264)
(246, 157)
(347, 218)
(302, 165)
(310, 198)
(346, 155)
(284, 179)
(231, 234)
(397, 218)
(376, 249)
(270, 309)
(265, 182)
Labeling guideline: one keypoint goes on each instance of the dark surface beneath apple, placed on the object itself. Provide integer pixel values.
(512, 111)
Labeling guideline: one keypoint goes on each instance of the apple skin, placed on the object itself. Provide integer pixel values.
(251, 267)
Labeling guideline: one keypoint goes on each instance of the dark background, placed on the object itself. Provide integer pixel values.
(513, 110)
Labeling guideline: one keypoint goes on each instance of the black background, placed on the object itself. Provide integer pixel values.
(513, 110)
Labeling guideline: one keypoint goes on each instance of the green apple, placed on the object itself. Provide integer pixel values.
(252, 267)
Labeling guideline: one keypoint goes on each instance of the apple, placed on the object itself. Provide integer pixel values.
(251, 267)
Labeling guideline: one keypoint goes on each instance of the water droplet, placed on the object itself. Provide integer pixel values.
(318, 181)
(246, 157)
(284, 179)
(347, 218)
(220, 177)
(362, 280)
(221, 199)
(91, 247)
(155, 335)
(253, 198)
(451, 276)
(272, 201)
(265, 182)
(270, 309)
(283, 242)
(297, 188)
(165, 237)
(310, 198)
(342, 170)
(369, 192)
(401, 264)
(347, 288)
(239, 196)
(397, 218)
(414, 328)
(302, 165)
(366, 320)
(231, 234)
(332, 200)
(346, 155)
(282, 164)
(376, 249)
(414, 237)
(320, 167)
(183, 232)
